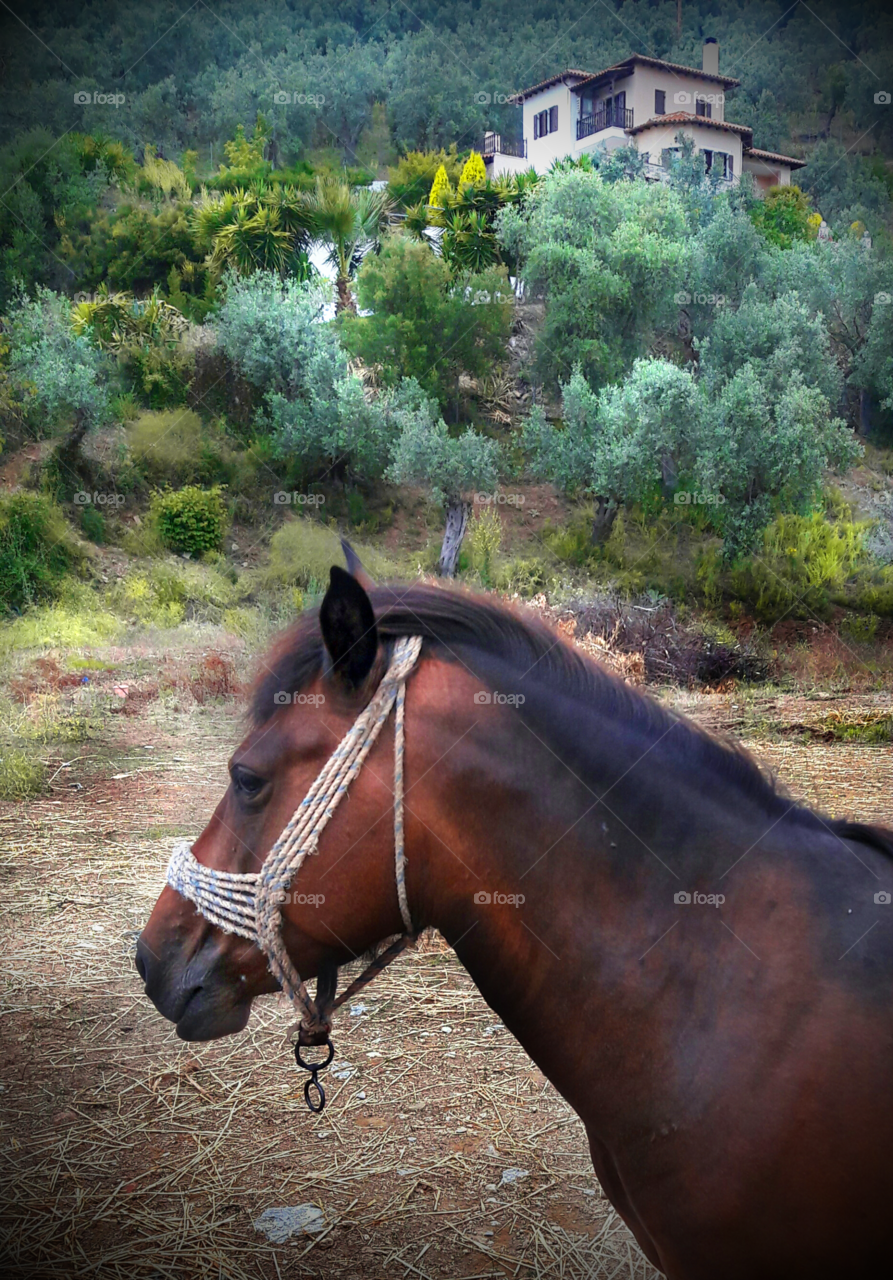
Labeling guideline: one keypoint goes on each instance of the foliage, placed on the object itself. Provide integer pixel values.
(410, 180)
(474, 171)
(426, 325)
(264, 229)
(35, 550)
(190, 519)
(269, 329)
(349, 223)
(484, 540)
(449, 467)
(66, 373)
(164, 176)
(608, 257)
(302, 552)
(800, 560)
(441, 190)
(783, 215)
(133, 248)
(22, 775)
(174, 447)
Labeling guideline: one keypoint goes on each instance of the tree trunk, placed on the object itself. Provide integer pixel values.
(456, 524)
(345, 299)
(864, 413)
(67, 452)
(603, 520)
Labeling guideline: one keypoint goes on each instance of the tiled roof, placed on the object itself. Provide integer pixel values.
(685, 117)
(775, 156)
(547, 84)
(627, 65)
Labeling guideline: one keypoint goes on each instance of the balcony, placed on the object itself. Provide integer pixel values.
(495, 144)
(604, 118)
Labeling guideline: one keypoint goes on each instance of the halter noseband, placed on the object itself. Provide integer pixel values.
(249, 904)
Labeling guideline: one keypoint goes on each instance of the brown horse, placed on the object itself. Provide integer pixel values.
(702, 968)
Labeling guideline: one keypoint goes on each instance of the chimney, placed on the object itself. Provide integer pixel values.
(710, 61)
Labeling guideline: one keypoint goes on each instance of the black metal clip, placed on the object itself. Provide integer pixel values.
(314, 1068)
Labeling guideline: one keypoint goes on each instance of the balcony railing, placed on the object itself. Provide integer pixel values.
(604, 118)
(495, 144)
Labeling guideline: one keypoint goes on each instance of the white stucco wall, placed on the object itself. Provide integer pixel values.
(542, 152)
(767, 173)
(652, 141)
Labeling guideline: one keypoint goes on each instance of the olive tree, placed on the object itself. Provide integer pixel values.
(450, 467)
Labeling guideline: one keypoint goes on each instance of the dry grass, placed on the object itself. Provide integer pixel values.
(127, 1154)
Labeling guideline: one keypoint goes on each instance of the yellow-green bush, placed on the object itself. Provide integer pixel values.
(164, 595)
(801, 560)
(21, 775)
(483, 540)
(60, 626)
(302, 552)
(174, 446)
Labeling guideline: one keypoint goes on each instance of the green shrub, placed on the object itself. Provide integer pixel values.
(35, 549)
(164, 595)
(21, 776)
(172, 446)
(483, 541)
(93, 524)
(59, 626)
(802, 559)
(526, 577)
(190, 519)
(302, 552)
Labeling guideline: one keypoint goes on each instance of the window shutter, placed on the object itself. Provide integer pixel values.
(553, 119)
(660, 102)
(730, 165)
(536, 125)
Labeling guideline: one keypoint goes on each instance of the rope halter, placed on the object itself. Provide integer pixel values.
(249, 904)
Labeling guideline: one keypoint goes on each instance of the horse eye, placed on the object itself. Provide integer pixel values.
(246, 782)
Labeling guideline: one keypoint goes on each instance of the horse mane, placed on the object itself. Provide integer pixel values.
(459, 624)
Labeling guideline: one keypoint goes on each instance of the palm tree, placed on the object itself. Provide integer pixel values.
(264, 228)
(348, 221)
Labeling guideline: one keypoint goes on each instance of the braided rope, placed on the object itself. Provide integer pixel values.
(249, 903)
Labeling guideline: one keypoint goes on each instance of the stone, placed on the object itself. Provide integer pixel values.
(279, 1225)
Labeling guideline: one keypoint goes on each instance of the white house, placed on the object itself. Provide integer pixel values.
(642, 102)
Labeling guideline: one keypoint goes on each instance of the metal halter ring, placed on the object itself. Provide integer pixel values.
(314, 1068)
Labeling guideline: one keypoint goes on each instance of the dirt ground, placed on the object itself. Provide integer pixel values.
(125, 1153)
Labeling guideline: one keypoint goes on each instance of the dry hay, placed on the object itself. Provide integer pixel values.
(126, 1153)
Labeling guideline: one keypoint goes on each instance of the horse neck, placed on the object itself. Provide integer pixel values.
(501, 813)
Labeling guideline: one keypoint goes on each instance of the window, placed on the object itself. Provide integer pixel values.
(730, 166)
(708, 160)
(703, 108)
(545, 122)
(660, 102)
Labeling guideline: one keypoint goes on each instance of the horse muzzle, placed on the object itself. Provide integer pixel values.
(198, 995)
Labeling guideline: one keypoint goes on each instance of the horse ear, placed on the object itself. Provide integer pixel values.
(355, 566)
(347, 622)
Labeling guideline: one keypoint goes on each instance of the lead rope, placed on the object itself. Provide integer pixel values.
(249, 904)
